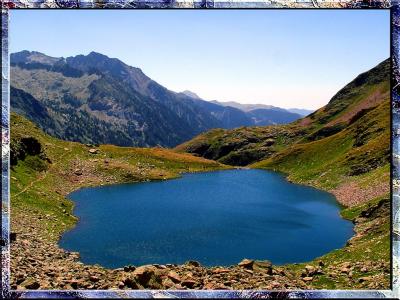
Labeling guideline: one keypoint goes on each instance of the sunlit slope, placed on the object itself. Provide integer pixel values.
(348, 149)
(344, 147)
(247, 145)
(353, 163)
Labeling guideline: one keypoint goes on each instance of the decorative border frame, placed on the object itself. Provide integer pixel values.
(394, 7)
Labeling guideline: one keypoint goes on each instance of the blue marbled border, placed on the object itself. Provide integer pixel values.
(5, 250)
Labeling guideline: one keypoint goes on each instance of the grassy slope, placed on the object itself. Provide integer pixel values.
(342, 148)
(357, 157)
(39, 187)
(243, 145)
(327, 162)
(246, 145)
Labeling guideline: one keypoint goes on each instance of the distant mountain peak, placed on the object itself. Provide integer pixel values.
(97, 53)
(94, 54)
(246, 107)
(190, 94)
(26, 56)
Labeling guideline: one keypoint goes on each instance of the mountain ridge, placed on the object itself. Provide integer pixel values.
(96, 99)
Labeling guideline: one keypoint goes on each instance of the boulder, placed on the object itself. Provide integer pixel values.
(143, 274)
(74, 284)
(310, 270)
(193, 263)
(129, 268)
(307, 279)
(93, 278)
(246, 263)
(363, 279)
(345, 270)
(189, 283)
(220, 270)
(269, 142)
(130, 283)
(93, 151)
(275, 284)
(168, 283)
(174, 276)
(264, 266)
(30, 284)
(147, 276)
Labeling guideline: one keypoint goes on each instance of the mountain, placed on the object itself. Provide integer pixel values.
(191, 94)
(349, 136)
(96, 99)
(245, 107)
(261, 114)
(263, 117)
(300, 111)
(250, 107)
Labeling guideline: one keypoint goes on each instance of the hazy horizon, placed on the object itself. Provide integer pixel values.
(288, 59)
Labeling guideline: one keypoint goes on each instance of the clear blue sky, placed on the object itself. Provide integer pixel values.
(287, 58)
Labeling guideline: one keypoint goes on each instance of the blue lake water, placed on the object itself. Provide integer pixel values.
(216, 218)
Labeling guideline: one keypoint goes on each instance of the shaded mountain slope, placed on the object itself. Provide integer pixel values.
(263, 117)
(246, 107)
(96, 99)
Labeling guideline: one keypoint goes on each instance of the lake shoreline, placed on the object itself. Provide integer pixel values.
(189, 275)
(239, 199)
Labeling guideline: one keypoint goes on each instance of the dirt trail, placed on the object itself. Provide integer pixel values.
(43, 175)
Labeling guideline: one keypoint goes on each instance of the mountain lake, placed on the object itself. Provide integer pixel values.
(216, 218)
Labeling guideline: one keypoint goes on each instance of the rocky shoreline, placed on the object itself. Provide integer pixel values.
(37, 262)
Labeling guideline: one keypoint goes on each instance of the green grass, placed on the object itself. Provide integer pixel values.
(323, 163)
(39, 187)
(312, 161)
(328, 162)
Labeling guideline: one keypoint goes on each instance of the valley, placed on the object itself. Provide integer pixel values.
(41, 179)
(343, 148)
(97, 99)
